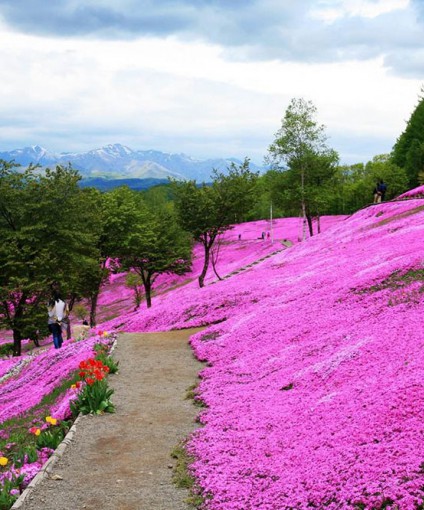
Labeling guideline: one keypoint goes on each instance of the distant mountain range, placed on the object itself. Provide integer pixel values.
(117, 161)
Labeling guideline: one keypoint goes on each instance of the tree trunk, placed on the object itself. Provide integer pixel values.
(304, 214)
(146, 278)
(93, 307)
(148, 293)
(205, 265)
(214, 258)
(310, 225)
(214, 269)
(17, 342)
(71, 302)
(68, 329)
(17, 335)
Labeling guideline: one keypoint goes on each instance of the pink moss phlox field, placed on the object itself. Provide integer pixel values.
(204, 308)
(315, 362)
(233, 254)
(413, 193)
(315, 359)
(41, 375)
(315, 398)
(6, 365)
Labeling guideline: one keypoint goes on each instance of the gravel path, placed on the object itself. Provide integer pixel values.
(122, 461)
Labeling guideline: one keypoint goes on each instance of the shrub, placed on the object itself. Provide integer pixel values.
(80, 311)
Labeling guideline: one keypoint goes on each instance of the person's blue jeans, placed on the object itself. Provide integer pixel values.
(57, 335)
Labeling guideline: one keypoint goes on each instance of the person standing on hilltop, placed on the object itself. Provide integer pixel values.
(57, 318)
(381, 189)
(376, 194)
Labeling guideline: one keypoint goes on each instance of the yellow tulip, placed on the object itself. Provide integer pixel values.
(3, 461)
(37, 432)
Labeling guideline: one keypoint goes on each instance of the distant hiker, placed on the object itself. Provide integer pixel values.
(381, 189)
(263, 235)
(376, 194)
(239, 237)
(57, 318)
(268, 235)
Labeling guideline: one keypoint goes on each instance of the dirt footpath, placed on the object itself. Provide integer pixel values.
(122, 461)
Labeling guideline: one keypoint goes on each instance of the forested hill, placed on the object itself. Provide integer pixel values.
(109, 184)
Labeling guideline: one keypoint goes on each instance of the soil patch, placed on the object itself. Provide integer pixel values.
(122, 461)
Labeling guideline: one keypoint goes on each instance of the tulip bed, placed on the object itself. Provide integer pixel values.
(35, 395)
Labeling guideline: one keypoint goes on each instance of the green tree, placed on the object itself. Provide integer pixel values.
(207, 211)
(408, 151)
(382, 167)
(46, 238)
(300, 150)
(148, 242)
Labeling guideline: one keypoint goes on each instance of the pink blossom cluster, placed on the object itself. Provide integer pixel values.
(41, 375)
(315, 363)
(7, 365)
(234, 254)
(28, 469)
(413, 193)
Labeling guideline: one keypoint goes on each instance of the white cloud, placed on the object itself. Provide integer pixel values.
(187, 96)
(331, 10)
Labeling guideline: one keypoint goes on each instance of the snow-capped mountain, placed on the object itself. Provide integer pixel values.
(116, 161)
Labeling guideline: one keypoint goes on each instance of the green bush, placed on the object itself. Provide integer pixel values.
(24, 453)
(6, 349)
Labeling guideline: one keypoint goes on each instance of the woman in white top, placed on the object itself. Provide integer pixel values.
(57, 318)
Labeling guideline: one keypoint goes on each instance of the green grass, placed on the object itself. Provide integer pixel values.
(6, 349)
(192, 394)
(182, 477)
(395, 281)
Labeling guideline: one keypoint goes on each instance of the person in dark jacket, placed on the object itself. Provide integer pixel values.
(381, 190)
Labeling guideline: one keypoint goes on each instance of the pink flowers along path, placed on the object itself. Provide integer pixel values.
(314, 384)
(315, 362)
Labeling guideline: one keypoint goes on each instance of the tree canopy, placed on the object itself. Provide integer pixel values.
(48, 233)
(206, 211)
(408, 151)
(145, 240)
(300, 151)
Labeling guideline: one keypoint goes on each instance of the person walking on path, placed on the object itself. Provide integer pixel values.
(57, 318)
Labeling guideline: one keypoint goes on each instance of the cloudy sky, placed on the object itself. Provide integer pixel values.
(210, 78)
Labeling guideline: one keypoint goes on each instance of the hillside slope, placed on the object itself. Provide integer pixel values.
(315, 366)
